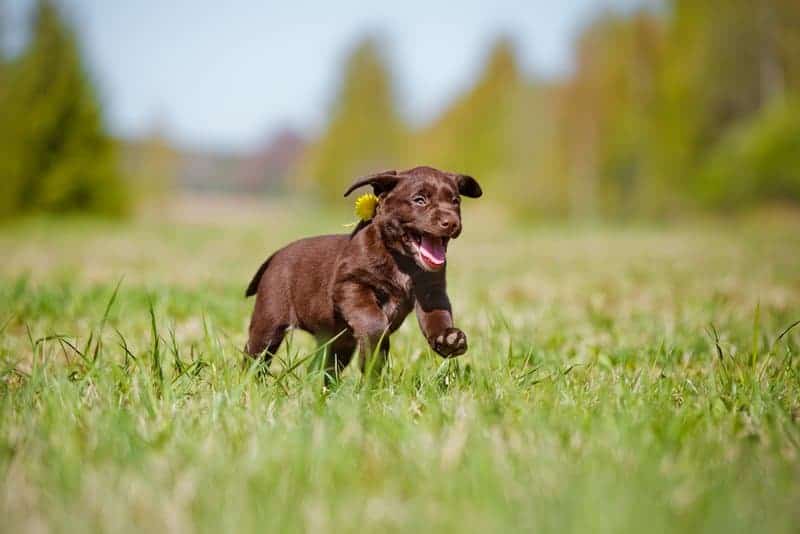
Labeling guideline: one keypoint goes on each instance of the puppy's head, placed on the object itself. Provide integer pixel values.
(419, 211)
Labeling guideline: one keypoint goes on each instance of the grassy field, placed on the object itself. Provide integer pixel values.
(619, 379)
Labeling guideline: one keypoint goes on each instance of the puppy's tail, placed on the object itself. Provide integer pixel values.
(252, 289)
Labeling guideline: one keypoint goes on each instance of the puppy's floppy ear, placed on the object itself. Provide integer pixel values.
(381, 182)
(468, 186)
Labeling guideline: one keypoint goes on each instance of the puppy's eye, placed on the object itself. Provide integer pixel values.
(456, 200)
(419, 200)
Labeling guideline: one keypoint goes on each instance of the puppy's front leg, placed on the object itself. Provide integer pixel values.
(359, 307)
(436, 319)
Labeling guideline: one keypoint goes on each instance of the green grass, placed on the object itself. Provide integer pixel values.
(618, 379)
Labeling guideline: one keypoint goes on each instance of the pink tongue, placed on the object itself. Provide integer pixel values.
(432, 249)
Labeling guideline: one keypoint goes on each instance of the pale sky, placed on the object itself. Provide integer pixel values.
(226, 74)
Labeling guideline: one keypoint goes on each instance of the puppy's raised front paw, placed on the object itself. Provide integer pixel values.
(451, 342)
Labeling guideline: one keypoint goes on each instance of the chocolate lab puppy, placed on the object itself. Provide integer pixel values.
(362, 286)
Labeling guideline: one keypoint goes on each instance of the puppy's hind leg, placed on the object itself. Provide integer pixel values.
(372, 360)
(267, 330)
(265, 342)
(340, 352)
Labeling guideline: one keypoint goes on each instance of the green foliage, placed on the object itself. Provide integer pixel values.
(495, 131)
(56, 155)
(711, 80)
(654, 93)
(474, 133)
(655, 96)
(151, 165)
(606, 115)
(365, 131)
(757, 160)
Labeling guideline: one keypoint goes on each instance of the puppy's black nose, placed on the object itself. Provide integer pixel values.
(449, 223)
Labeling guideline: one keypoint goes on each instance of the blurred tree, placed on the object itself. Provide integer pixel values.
(605, 112)
(8, 183)
(496, 131)
(152, 164)
(660, 104)
(784, 20)
(56, 155)
(725, 61)
(473, 133)
(655, 92)
(757, 160)
(365, 132)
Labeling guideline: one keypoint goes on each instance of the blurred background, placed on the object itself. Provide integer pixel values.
(581, 109)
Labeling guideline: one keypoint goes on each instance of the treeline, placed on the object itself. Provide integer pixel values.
(693, 105)
(55, 153)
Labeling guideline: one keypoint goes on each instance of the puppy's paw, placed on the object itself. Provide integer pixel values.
(451, 342)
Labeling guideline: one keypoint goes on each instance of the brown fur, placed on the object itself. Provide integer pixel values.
(361, 287)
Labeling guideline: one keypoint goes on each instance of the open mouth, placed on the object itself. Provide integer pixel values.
(431, 250)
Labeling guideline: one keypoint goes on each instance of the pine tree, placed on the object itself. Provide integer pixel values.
(365, 132)
(57, 155)
(496, 131)
(473, 133)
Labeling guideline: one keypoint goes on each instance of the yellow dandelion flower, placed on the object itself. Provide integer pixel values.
(365, 206)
